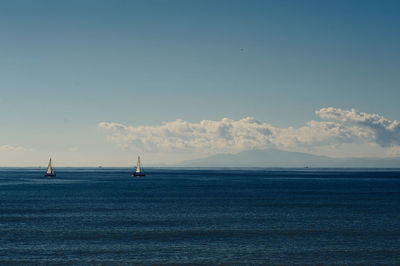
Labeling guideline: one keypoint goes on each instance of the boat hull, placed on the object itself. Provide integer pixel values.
(138, 174)
(49, 175)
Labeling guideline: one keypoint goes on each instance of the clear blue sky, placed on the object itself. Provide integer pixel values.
(65, 66)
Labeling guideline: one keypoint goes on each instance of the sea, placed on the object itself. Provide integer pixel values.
(254, 216)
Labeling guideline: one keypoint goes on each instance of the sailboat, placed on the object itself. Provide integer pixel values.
(139, 170)
(49, 171)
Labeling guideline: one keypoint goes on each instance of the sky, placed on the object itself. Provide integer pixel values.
(98, 82)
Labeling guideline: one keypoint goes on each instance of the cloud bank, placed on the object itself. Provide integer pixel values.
(11, 148)
(337, 127)
(385, 132)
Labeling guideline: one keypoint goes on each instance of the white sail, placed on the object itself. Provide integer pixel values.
(49, 168)
(138, 165)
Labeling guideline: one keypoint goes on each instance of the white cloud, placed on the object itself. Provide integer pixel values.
(12, 148)
(213, 136)
(384, 132)
(73, 149)
(230, 136)
(393, 151)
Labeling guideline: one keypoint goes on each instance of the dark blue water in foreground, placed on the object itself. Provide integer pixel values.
(104, 216)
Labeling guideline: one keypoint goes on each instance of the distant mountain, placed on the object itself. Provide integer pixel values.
(279, 158)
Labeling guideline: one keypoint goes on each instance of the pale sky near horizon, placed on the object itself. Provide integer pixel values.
(93, 82)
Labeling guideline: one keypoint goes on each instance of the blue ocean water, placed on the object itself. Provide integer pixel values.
(177, 216)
